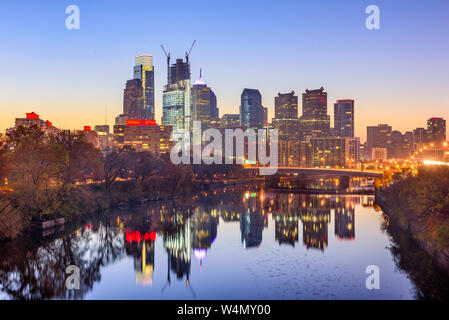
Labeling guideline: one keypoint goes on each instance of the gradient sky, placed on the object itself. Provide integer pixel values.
(397, 75)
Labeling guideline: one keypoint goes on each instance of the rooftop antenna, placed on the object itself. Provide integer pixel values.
(188, 54)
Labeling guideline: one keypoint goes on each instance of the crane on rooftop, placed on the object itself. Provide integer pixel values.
(188, 53)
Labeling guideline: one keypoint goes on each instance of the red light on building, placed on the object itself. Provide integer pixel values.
(87, 128)
(32, 115)
(133, 122)
(49, 123)
(137, 122)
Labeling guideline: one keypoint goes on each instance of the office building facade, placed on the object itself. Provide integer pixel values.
(335, 152)
(142, 135)
(287, 123)
(204, 103)
(176, 98)
(144, 71)
(251, 109)
(436, 129)
(315, 122)
(344, 118)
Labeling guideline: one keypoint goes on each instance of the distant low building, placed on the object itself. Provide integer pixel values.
(142, 135)
(230, 120)
(105, 138)
(437, 129)
(379, 154)
(335, 152)
(34, 119)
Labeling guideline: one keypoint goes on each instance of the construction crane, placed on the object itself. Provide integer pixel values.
(188, 54)
(168, 60)
(167, 55)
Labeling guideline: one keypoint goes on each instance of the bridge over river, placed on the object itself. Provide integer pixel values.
(331, 172)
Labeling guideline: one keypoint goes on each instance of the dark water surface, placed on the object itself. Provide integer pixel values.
(238, 243)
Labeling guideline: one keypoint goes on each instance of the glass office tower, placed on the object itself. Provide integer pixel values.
(204, 103)
(344, 118)
(144, 71)
(251, 109)
(176, 99)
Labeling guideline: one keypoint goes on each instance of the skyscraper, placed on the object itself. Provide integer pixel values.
(204, 103)
(287, 123)
(133, 99)
(138, 96)
(286, 106)
(176, 99)
(251, 109)
(144, 71)
(344, 118)
(315, 122)
(437, 129)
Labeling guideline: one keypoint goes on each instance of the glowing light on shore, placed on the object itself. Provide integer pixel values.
(435, 163)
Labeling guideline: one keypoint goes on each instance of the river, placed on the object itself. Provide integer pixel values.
(233, 243)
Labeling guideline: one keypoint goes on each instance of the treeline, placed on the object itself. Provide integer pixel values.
(421, 204)
(51, 176)
(44, 177)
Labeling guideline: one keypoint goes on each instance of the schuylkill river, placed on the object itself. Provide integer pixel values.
(234, 243)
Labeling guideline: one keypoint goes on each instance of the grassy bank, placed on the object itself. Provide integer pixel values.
(420, 204)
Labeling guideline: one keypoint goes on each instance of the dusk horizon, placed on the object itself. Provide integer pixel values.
(83, 71)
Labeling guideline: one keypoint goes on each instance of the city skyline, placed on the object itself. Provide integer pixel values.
(97, 65)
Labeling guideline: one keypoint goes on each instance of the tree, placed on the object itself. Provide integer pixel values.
(114, 165)
(3, 149)
(35, 171)
(83, 157)
(143, 165)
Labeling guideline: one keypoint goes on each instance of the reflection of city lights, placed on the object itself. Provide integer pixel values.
(136, 236)
(199, 253)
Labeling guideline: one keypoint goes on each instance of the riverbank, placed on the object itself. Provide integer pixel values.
(88, 201)
(417, 205)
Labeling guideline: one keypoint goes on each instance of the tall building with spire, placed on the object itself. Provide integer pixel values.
(204, 103)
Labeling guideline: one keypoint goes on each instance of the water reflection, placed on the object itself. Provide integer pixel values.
(185, 230)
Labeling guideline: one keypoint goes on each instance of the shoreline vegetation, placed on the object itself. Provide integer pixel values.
(420, 205)
(63, 176)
